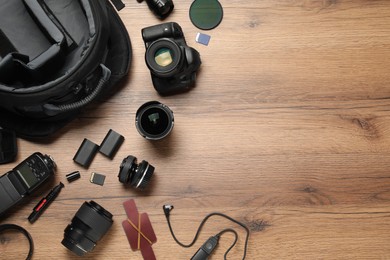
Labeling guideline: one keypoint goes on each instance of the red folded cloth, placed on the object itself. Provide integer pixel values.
(139, 230)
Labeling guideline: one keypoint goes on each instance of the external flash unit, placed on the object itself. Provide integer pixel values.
(24, 179)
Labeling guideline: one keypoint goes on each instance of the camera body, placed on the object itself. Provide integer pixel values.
(24, 179)
(172, 63)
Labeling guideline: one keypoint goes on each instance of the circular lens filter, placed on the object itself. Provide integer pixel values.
(206, 14)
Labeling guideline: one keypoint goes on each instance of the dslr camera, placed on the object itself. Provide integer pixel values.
(172, 63)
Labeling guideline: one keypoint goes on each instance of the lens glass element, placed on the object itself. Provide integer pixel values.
(163, 57)
(154, 120)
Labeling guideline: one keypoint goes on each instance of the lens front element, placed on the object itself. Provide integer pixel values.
(154, 120)
(163, 57)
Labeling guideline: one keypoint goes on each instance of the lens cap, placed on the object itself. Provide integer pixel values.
(206, 14)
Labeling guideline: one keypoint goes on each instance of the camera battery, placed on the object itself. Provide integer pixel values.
(111, 144)
(86, 153)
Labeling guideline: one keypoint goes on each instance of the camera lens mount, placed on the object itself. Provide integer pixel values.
(154, 120)
(137, 175)
(163, 57)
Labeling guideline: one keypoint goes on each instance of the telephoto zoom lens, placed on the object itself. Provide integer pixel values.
(154, 120)
(88, 226)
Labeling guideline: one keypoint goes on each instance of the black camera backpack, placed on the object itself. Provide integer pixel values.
(56, 57)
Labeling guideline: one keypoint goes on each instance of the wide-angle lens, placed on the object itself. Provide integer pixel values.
(154, 120)
(137, 175)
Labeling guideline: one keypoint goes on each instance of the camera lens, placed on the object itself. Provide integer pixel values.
(137, 175)
(162, 8)
(164, 58)
(154, 120)
(90, 223)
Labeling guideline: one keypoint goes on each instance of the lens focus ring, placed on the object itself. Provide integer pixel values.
(169, 50)
(90, 223)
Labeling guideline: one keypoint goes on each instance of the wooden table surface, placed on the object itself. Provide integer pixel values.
(287, 130)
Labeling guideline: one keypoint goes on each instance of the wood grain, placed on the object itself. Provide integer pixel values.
(287, 130)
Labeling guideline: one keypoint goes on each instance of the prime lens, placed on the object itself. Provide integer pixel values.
(154, 120)
(90, 223)
(137, 175)
(162, 8)
(164, 58)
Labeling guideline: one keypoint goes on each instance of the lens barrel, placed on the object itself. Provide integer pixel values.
(90, 223)
(154, 120)
(175, 54)
(162, 8)
(137, 175)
